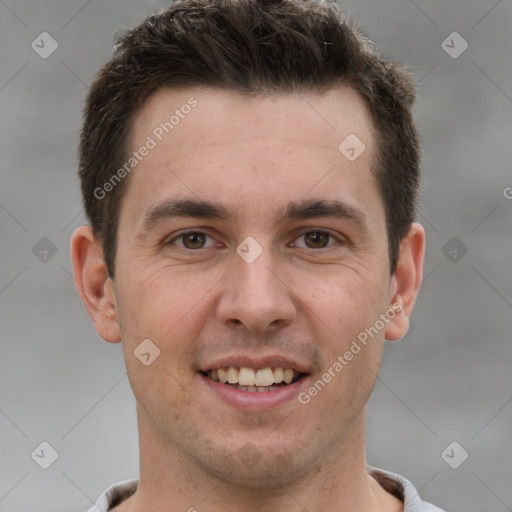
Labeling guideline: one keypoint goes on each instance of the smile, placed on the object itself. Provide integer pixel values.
(254, 389)
(254, 380)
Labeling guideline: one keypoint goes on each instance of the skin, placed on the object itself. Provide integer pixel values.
(298, 298)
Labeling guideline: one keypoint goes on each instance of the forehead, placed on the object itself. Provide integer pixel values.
(301, 116)
(252, 152)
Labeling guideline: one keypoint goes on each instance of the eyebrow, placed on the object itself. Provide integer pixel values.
(312, 208)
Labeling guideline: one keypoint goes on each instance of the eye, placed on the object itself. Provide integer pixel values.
(316, 239)
(195, 240)
(191, 240)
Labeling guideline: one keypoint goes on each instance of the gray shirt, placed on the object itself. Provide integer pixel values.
(392, 482)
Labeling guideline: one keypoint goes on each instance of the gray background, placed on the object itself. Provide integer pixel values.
(448, 380)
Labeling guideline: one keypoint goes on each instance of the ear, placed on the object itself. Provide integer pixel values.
(406, 281)
(93, 283)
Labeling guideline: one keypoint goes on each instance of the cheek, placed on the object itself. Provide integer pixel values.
(171, 320)
(343, 311)
(345, 305)
(163, 304)
(169, 309)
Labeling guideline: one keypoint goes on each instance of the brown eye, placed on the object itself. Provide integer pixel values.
(193, 240)
(316, 239)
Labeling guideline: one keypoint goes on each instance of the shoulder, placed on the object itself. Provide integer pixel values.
(403, 489)
(114, 495)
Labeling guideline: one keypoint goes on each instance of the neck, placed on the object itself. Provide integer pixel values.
(170, 481)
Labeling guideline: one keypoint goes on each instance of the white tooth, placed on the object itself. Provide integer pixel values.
(278, 375)
(246, 377)
(215, 375)
(251, 389)
(264, 377)
(262, 388)
(288, 375)
(222, 374)
(232, 375)
(271, 388)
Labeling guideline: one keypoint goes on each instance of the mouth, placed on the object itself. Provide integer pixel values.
(254, 380)
(254, 383)
(250, 389)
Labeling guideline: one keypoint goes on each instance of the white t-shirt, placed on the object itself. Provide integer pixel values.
(392, 482)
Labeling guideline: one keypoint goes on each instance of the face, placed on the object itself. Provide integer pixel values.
(248, 240)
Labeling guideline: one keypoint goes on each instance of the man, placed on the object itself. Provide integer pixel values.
(250, 172)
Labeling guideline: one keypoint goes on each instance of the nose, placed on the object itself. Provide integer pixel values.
(258, 295)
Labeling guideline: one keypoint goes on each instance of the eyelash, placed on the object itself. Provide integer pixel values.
(318, 231)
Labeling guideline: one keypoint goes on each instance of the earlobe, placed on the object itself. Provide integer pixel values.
(406, 281)
(93, 283)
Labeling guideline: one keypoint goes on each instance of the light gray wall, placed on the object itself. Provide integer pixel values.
(449, 380)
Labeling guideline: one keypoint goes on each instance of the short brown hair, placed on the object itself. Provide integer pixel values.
(251, 47)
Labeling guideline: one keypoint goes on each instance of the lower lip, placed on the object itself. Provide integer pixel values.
(257, 400)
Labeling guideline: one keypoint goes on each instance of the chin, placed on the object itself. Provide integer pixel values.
(258, 466)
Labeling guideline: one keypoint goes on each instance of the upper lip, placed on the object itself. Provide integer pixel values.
(255, 362)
